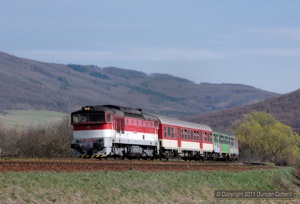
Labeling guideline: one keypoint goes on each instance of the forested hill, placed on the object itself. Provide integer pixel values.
(29, 84)
(285, 108)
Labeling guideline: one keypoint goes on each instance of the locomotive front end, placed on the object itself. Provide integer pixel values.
(91, 132)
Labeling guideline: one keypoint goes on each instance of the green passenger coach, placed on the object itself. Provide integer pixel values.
(225, 146)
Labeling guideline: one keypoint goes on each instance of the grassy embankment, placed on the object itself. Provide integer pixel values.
(137, 187)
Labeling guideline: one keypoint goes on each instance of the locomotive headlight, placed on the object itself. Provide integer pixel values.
(87, 108)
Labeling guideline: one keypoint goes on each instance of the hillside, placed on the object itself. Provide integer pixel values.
(29, 84)
(284, 108)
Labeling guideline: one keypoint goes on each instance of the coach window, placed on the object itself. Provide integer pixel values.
(165, 132)
(195, 135)
(169, 132)
(205, 137)
(210, 137)
(201, 136)
(189, 134)
(222, 139)
(182, 133)
(172, 132)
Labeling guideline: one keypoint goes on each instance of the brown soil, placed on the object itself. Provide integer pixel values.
(73, 165)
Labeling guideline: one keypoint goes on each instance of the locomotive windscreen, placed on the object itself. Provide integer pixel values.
(78, 118)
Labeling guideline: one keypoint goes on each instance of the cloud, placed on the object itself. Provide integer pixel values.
(151, 54)
(274, 52)
(155, 55)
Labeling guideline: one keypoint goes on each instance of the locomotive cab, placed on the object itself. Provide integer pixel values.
(88, 116)
(91, 131)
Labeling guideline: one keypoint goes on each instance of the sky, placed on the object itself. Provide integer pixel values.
(255, 42)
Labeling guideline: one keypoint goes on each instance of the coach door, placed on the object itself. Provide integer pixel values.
(119, 125)
(179, 137)
(216, 143)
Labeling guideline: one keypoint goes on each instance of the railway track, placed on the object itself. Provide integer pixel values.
(75, 165)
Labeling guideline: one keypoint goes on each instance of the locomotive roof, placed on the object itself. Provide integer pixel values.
(119, 111)
(181, 123)
(130, 112)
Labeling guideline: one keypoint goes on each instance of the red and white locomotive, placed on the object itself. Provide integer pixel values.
(115, 131)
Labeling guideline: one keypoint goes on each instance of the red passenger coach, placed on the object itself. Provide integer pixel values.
(190, 141)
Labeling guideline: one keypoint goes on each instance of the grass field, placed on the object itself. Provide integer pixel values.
(138, 187)
(25, 118)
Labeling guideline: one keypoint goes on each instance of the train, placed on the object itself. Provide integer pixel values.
(111, 131)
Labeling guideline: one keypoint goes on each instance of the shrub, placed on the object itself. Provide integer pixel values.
(42, 141)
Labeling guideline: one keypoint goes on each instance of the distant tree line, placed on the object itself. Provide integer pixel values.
(85, 69)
